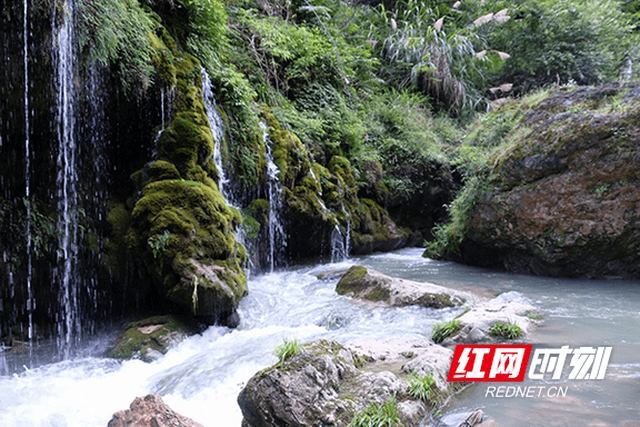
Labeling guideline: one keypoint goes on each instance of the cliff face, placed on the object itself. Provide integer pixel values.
(563, 192)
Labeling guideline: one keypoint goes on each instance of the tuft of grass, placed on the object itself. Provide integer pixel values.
(423, 388)
(506, 330)
(533, 316)
(385, 415)
(444, 330)
(287, 350)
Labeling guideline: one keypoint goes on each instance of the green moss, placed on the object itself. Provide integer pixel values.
(378, 294)
(352, 279)
(162, 57)
(289, 154)
(342, 168)
(435, 300)
(156, 334)
(258, 210)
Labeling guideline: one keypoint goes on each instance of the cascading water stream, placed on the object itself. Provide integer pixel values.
(27, 172)
(277, 235)
(217, 129)
(69, 328)
(216, 124)
(341, 243)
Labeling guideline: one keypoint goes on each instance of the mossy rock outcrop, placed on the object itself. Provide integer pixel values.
(181, 230)
(368, 285)
(563, 192)
(327, 383)
(150, 338)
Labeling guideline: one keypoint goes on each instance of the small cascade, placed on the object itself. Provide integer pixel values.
(277, 235)
(347, 236)
(27, 172)
(338, 249)
(165, 105)
(69, 328)
(216, 124)
(217, 129)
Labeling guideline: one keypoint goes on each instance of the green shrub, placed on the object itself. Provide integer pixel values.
(444, 330)
(506, 330)
(287, 350)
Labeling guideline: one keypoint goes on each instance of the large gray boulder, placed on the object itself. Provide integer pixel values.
(327, 383)
(369, 285)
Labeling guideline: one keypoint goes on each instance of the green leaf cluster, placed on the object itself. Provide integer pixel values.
(444, 330)
(376, 415)
(116, 32)
(507, 330)
(423, 387)
(287, 350)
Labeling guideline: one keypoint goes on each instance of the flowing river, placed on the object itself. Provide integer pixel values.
(202, 377)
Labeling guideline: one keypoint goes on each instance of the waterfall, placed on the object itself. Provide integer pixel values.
(27, 169)
(217, 129)
(346, 244)
(277, 235)
(69, 327)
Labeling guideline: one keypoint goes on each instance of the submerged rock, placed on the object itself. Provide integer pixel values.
(150, 338)
(369, 285)
(327, 383)
(150, 411)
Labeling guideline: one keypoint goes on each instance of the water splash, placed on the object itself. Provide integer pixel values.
(277, 235)
(69, 328)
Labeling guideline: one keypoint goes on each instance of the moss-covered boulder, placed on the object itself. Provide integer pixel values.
(186, 231)
(150, 338)
(561, 196)
(327, 383)
(368, 285)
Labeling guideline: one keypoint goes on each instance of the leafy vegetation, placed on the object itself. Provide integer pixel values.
(287, 350)
(444, 330)
(423, 388)
(116, 32)
(376, 415)
(507, 330)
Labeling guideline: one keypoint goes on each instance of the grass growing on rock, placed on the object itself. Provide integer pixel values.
(376, 415)
(287, 350)
(444, 330)
(423, 387)
(507, 330)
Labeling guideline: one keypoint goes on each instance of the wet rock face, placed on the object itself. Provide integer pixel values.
(566, 200)
(150, 338)
(368, 285)
(150, 411)
(327, 383)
